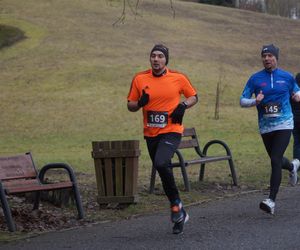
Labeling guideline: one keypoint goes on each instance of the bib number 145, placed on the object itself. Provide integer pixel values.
(272, 109)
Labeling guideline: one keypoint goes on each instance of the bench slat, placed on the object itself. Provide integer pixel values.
(209, 159)
(15, 167)
(188, 144)
(20, 182)
(38, 187)
(202, 160)
(189, 132)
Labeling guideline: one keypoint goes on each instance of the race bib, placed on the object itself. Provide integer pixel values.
(272, 109)
(157, 119)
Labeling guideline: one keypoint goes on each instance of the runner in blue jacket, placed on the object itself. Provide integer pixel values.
(273, 88)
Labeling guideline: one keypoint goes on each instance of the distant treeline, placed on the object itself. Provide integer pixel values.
(230, 3)
(286, 8)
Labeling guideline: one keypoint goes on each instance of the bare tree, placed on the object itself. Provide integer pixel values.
(126, 5)
(133, 8)
(219, 91)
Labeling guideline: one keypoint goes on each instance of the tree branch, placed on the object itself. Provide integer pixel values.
(123, 15)
(172, 8)
(134, 10)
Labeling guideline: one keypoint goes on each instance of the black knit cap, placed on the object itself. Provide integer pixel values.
(270, 48)
(162, 48)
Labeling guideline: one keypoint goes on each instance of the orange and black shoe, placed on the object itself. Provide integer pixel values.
(177, 212)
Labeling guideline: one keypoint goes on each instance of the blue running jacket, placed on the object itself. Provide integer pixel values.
(274, 111)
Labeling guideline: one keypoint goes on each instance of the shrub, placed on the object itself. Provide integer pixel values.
(10, 35)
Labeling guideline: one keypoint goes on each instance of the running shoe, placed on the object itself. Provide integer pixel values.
(178, 226)
(177, 212)
(268, 206)
(293, 176)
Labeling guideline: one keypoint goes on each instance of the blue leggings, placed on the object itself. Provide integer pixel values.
(276, 143)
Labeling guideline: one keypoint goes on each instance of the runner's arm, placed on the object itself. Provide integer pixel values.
(190, 101)
(133, 106)
(245, 102)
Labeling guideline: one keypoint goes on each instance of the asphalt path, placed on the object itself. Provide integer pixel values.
(229, 223)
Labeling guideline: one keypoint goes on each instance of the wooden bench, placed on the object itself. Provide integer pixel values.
(190, 140)
(18, 174)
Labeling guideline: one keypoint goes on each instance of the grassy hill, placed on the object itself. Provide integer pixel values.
(66, 84)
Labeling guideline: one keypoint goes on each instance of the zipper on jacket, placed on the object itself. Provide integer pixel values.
(271, 80)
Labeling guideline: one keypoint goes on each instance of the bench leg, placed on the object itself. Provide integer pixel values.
(202, 169)
(78, 202)
(6, 210)
(36, 200)
(152, 180)
(185, 178)
(232, 170)
(233, 174)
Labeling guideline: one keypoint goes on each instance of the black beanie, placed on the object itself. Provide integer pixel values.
(270, 49)
(162, 49)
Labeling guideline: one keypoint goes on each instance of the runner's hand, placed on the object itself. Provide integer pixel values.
(296, 97)
(259, 97)
(178, 113)
(144, 99)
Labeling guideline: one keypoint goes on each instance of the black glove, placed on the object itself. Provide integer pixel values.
(178, 113)
(144, 99)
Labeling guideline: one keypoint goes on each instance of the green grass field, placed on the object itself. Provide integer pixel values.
(66, 84)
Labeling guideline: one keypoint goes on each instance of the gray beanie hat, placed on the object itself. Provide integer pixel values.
(270, 48)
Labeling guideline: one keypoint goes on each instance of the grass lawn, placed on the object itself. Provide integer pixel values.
(66, 84)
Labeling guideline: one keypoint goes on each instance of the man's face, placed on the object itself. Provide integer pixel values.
(157, 60)
(269, 61)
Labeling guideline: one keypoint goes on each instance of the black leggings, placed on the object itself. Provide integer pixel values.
(276, 143)
(161, 150)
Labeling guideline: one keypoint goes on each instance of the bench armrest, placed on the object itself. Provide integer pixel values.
(208, 144)
(180, 159)
(64, 166)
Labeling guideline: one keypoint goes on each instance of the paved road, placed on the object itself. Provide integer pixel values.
(231, 223)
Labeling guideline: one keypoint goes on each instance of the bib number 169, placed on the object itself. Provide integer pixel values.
(157, 119)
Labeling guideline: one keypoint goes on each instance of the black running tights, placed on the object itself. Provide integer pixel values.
(161, 150)
(276, 143)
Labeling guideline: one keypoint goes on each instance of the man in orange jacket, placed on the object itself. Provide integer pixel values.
(158, 92)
